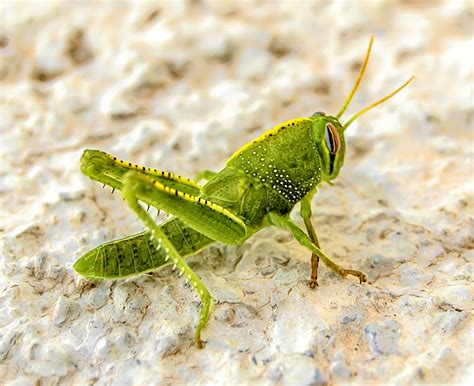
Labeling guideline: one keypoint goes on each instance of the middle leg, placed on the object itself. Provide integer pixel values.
(306, 214)
(286, 223)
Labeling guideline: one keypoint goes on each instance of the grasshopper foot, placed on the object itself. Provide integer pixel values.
(313, 283)
(199, 343)
(361, 275)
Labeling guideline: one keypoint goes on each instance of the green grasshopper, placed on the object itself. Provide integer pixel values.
(258, 187)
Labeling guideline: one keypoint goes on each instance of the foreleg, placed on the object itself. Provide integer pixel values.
(286, 223)
(306, 214)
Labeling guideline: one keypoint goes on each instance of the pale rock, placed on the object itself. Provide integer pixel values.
(116, 104)
(252, 63)
(339, 367)
(97, 297)
(430, 252)
(147, 76)
(383, 337)
(350, 316)
(166, 346)
(52, 359)
(302, 370)
(71, 195)
(65, 310)
(456, 296)
(224, 312)
(310, 326)
(130, 303)
(138, 138)
(222, 291)
(413, 276)
(50, 51)
(448, 321)
(7, 340)
(23, 381)
(263, 257)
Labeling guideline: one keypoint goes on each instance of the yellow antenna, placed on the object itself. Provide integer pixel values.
(371, 106)
(359, 79)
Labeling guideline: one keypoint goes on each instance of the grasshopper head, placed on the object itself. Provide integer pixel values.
(329, 132)
(330, 143)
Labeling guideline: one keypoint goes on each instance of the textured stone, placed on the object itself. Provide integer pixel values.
(65, 310)
(449, 321)
(340, 368)
(457, 297)
(180, 86)
(383, 337)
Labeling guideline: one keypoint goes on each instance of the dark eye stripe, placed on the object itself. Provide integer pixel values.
(332, 139)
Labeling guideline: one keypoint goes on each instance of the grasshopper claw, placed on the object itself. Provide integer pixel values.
(313, 283)
(200, 344)
(361, 275)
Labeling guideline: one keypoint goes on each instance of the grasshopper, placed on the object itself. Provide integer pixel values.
(258, 187)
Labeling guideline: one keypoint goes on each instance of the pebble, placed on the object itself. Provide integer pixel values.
(7, 340)
(224, 312)
(413, 276)
(130, 303)
(456, 296)
(449, 321)
(98, 297)
(263, 257)
(339, 367)
(65, 310)
(302, 371)
(383, 337)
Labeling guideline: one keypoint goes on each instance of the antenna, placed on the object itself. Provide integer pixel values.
(371, 106)
(359, 79)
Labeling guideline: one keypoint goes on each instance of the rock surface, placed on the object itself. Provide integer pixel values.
(181, 85)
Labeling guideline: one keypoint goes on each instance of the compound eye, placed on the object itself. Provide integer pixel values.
(319, 114)
(333, 142)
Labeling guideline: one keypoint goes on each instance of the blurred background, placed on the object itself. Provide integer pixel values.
(181, 85)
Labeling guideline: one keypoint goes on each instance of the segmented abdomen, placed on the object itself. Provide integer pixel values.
(138, 254)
